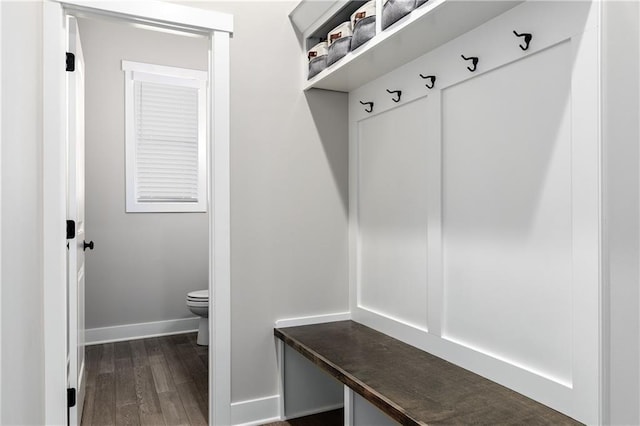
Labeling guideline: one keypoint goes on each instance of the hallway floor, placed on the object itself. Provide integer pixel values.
(155, 381)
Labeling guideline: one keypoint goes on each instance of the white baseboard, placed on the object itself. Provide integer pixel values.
(267, 409)
(314, 411)
(315, 319)
(94, 336)
(255, 411)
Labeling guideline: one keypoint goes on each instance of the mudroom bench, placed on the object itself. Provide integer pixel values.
(411, 386)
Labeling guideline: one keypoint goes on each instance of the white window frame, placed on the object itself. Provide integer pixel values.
(138, 71)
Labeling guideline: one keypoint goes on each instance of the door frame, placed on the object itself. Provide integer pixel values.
(1, 97)
(218, 27)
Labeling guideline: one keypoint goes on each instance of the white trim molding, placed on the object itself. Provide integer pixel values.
(1, 97)
(315, 319)
(255, 411)
(348, 406)
(182, 73)
(95, 336)
(157, 13)
(54, 213)
(141, 134)
(280, 349)
(219, 230)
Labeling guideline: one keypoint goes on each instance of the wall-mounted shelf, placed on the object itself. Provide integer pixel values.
(424, 29)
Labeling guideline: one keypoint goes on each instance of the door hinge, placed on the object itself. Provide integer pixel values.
(71, 397)
(71, 229)
(71, 62)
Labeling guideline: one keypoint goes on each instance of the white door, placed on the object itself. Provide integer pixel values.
(75, 212)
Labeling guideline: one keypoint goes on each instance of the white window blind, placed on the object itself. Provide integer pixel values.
(165, 140)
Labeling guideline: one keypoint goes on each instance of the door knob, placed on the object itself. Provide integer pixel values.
(87, 244)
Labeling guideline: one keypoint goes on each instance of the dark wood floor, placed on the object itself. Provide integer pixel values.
(156, 381)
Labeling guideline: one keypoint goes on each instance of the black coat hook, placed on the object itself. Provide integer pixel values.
(398, 94)
(429, 77)
(527, 39)
(370, 106)
(474, 61)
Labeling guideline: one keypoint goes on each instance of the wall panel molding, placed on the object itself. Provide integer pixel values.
(513, 275)
(312, 319)
(255, 411)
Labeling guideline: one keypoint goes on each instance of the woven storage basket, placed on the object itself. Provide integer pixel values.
(364, 24)
(393, 10)
(339, 42)
(317, 56)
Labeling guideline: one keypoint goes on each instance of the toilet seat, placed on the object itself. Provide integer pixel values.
(197, 304)
(199, 298)
(198, 295)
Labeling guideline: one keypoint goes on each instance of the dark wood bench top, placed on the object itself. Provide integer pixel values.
(412, 386)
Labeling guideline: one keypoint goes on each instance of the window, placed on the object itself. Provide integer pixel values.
(165, 141)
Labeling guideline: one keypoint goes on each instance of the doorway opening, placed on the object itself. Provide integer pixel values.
(145, 208)
(61, 344)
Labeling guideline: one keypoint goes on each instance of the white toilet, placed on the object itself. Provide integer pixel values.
(198, 303)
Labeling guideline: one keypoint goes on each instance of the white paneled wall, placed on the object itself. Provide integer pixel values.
(393, 213)
(475, 218)
(507, 212)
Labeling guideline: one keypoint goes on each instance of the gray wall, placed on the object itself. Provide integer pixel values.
(143, 264)
(300, 399)
(22, 291)
(289, 159)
